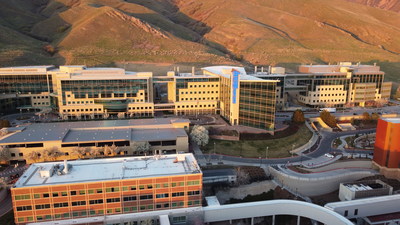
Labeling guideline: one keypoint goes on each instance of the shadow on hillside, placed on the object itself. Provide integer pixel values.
(174, 14)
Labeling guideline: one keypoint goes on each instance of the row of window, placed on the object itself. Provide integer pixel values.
(200, 92)
(193, 106)
(40, 97)
(112, 189)
(82, 110)
(41, 103)
(330, 100)
(195, 99)
(138, 108)
(340, 94)
(204, 85)
(330, 89)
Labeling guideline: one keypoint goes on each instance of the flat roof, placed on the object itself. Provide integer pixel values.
(137, 130)
(391, 120)
(363, 201)
(222, 71)
(109, 169)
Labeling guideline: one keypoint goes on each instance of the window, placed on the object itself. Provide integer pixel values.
(179, 219)
(24, 208)
(36, 195)
(44, 206)
(97, 201)
(111, 200)
(99, 191)
(60, 205)
(177, 194)
(355, 212)
(129, 198)
(78, 203)
(63, 193)
(22, 197)
(165, 195)
(46, 195)
(193, 192)
(146, 197)
(90, 191)
(82, 192)
(73, 192)
(55, 194)
(346, 213)
(113, 189)
(133, 188)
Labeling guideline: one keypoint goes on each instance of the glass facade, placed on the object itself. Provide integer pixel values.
(25, 84)
(257, 104)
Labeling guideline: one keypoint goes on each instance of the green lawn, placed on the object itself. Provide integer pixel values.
(278, 148)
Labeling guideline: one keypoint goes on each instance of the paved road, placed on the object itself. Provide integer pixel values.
(5, 205)
(12, 171)
(323, 148)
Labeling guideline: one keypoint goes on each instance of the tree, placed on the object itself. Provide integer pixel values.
(5, 154)
(3, 182)
(366, 116)
(374, 116)
(79, 152)
(4, 123)
(111, 150)
(95, 152)
(328, 118)
(143, 147)
(33, 156)
(51, 154)
(298, 116)
(199, 135)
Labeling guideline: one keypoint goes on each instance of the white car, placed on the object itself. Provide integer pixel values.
(329, 155)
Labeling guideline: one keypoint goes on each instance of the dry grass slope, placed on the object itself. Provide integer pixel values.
(249, 32)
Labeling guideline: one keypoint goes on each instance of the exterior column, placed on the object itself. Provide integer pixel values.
(273, 219)
(252, 221)
(298, 220)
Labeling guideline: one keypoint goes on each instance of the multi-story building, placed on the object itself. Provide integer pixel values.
(387, 147)
(334, 85)
(25, 88)
(71, 140)
(78, 92)
(57, 191)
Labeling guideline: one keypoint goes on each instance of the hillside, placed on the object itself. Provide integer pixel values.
(393, 5)
(253, 32)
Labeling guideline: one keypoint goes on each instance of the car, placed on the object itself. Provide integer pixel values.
(329, 155)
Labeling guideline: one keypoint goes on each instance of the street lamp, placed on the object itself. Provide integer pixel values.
(266, 153)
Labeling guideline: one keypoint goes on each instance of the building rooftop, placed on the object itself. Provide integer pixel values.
(391, 120)
(108, 169)
(225, 71)
(363, 201)
(98, 130)
(25, 69)
(366, 185)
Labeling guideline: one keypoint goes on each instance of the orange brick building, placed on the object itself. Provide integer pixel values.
(387, 146)
(92, 188)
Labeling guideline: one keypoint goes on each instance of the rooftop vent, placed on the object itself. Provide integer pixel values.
(46, 171)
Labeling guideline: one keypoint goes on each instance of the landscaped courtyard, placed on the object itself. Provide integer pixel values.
(277, 148)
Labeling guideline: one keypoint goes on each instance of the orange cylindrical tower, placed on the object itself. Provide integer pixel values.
(387, 143)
